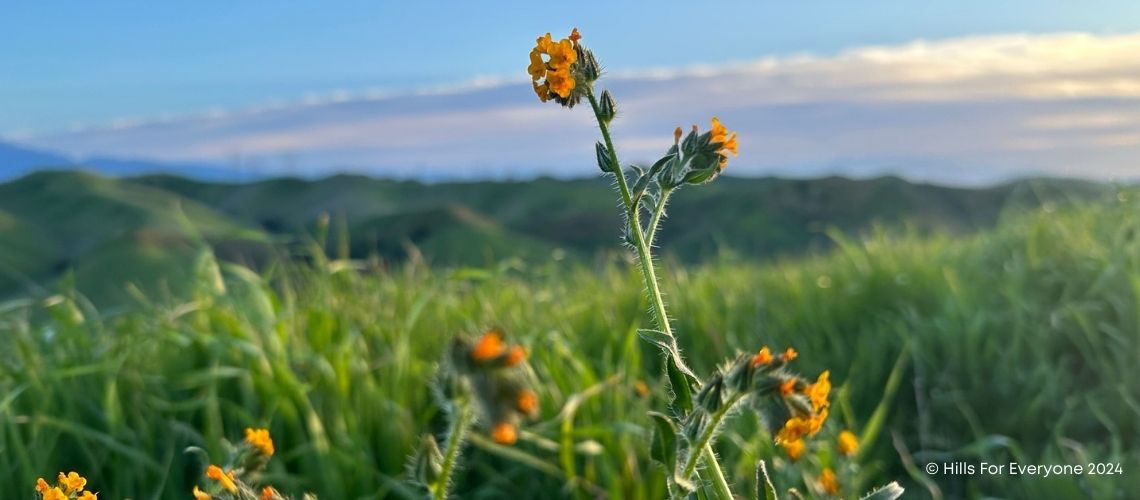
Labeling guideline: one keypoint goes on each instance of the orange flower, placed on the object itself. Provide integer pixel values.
(72, 482)
(554, 69)
(489, 346)
(561, 82)
(42, 486)
(789, 355)
(267, 493)
(516, 355)
(677, 135)
(504, 433)
(794, 429)
(847, 443)
(794, 448)
(55, 494)
(641, 388)
(226, 479)
(819, 390)
(788, 387)
(762, 358)
(718, 131)
(87, 495)
(527, 402)
(260, 440)
(543, 91)
(200, 495)
(829, 482)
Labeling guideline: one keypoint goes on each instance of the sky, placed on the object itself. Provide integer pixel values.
(954, 92)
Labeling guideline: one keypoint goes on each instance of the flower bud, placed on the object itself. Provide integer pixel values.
(607, 108)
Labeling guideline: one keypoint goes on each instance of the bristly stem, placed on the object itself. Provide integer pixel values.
(645, 259)
(455, 437)
(702, 449)
(658, 211)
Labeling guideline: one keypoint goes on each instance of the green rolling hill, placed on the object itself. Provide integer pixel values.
(105, 232)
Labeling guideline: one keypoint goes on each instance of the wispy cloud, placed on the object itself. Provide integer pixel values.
(961, 110)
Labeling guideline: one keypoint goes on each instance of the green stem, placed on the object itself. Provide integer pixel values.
(455, 438)
(702, 448)
(658, 211)
(645, 259)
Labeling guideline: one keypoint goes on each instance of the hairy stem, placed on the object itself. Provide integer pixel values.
(702, 448)
(658, 211)
(455, 437)
(645, 259)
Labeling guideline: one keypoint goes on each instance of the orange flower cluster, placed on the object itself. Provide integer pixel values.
(726, 141)
(501, 393)
(550, 64)
(66, 485)
(808, 423)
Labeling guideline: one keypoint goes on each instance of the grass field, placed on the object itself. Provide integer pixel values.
(1016, 344)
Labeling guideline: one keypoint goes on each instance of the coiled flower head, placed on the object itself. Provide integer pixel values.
(561, 70)
(494, 375)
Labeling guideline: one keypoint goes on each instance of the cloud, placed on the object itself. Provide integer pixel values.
(963, 110)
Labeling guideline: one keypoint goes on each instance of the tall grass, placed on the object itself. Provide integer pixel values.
(1018, 344)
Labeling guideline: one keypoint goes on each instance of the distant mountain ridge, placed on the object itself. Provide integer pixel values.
(107, 231)
(17, 160)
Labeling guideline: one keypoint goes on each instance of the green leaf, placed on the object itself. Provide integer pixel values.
(764, 488)
(604, 161)
(660, 164)
(679, 382)
(658, 338)
(664, 446)
(890, 491)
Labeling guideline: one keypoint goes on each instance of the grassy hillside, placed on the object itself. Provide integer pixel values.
(53, 223)
(1019, 343)
(107, 232)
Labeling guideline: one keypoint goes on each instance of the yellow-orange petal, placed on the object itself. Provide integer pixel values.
(226, 479)
(789, 355)
(847, 443)
(489, 346)
(41, 485)
(200, 495)
(819, 391)
(72, 482)
(731, 145)
(787, 387)
(561, 82)
(516, 355)
(794, 448)
(718, 131)
(762, 358)
(537, 67)
(544, 43)
(87, 495)
(260, 440)
(504, 433)
(829, 482)
(527, 402)
(543, 91)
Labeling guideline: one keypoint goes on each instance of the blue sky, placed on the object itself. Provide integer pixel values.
(76, 67)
